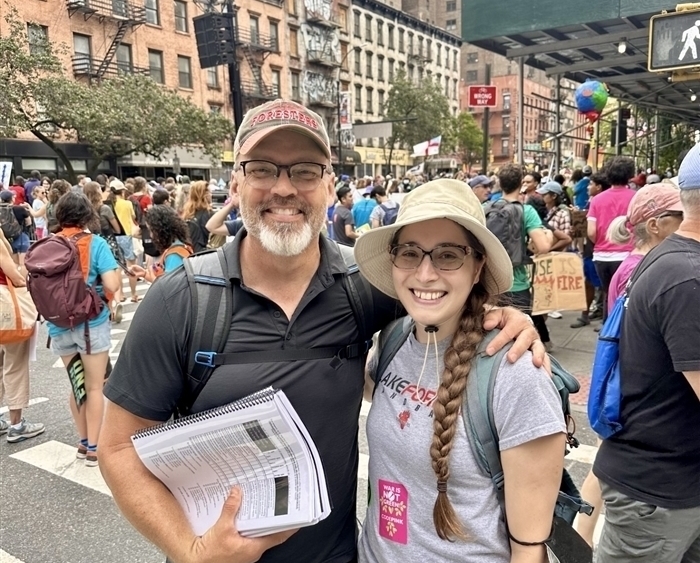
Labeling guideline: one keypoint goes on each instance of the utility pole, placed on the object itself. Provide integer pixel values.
(485, 148)
(557, 126)
(234, 74)
(521, 111)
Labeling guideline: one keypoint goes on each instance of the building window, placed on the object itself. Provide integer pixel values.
(391, 70)
(506, 122)
(439, 55)
(184, 72)
(125, 63)
(358, 97)
(401, 41)
(181, 16)
(276, 91)
(380, 33)
(391, 36)
(369, 64)
(429, 50)
(454, 88)
(370, 96)
(472, 76)
(343, 18)
(274, 36)
(368, 28)
(358, 61)
(292, 7)
(451, 6)
(380, 108)
(152, 15)
(356, 24)
(380, 68)
(38, 36)
(214, 108)
(293, 42)
(155, 66)
(344, 55)
(212, 77)
(81, 47)
(410, 43)
(447, 86)
(454, 60)
(420, 46)
(411, 73)
(473, 57)
(451, 25)
(506, 102)
(504, 146)
(254, 30)
(296, 90)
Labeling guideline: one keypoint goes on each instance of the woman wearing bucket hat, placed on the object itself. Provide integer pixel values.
(654, 213)
(444, 265)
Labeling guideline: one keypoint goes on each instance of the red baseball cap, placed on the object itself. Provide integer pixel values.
(653, 200)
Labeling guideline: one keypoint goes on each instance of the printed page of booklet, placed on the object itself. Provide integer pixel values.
(258, 443)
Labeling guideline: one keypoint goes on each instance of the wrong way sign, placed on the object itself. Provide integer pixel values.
(483, 97)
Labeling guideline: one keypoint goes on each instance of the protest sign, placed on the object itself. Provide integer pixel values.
(558, 283)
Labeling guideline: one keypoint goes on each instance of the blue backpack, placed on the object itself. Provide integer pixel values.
(390, 214)
(605, 396)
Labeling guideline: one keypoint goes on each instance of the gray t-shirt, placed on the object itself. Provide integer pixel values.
(399, 522)
(342, 216)
(379, 211)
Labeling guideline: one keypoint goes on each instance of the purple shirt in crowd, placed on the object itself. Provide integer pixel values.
(621, 277)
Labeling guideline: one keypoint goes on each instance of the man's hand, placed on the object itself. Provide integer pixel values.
(223, 544)
(514, 325)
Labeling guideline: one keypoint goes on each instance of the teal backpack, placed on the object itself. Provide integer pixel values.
(477, 414)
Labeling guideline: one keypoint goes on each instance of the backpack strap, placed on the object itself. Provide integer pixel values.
(390, 341)
(212, 307)
(477, 413)
(359, 294)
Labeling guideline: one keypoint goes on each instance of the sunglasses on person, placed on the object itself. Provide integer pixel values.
(677, 214)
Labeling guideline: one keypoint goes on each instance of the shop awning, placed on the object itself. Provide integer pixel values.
(349, 157)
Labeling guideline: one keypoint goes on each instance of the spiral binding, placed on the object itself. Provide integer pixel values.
(257, 398)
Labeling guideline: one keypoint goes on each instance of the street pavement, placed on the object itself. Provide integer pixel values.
(56, 510)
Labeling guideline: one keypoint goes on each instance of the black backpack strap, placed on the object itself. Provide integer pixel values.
(212, 309)
(391, 338)
(359, 294)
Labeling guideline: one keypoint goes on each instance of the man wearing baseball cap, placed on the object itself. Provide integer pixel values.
(650, 470)
(481, 186)
(291, 293)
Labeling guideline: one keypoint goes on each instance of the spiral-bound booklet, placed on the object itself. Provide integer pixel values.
(258, 443)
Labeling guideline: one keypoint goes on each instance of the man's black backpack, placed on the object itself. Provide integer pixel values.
(213, 297)
(506, 220)
(9, 223)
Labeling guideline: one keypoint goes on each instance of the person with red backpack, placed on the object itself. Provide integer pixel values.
(170, 235)
(69, 275)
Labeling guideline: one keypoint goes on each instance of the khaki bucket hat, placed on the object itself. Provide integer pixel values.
(439, 199)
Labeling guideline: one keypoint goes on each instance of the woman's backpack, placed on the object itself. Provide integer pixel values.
(57, 282)
(184, 251)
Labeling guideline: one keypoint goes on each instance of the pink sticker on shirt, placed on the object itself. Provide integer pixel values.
(393, 511)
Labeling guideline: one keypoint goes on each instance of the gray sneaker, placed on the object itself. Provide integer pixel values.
(4, 426)
(27, 430)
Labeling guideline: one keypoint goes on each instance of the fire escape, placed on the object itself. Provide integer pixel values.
(126, 15)
(255, 47)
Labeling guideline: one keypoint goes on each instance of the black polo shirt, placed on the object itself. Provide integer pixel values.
(148, 378)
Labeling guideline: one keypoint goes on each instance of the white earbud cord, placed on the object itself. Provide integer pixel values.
(433, 334)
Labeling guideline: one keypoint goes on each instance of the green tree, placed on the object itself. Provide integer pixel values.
(421, 112)
(115, 117)
(464, 137)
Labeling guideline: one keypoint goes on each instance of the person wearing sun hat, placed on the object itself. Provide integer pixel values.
(648, 471)
(444, 265)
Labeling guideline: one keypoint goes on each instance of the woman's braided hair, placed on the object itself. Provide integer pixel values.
(449, 400)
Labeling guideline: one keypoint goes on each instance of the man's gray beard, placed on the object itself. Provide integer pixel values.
(283, 239)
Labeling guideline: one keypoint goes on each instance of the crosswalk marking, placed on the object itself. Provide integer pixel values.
(34, 401)
(7, 558)
(59, 459)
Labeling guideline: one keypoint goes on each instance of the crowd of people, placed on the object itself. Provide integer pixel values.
(452, 257)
